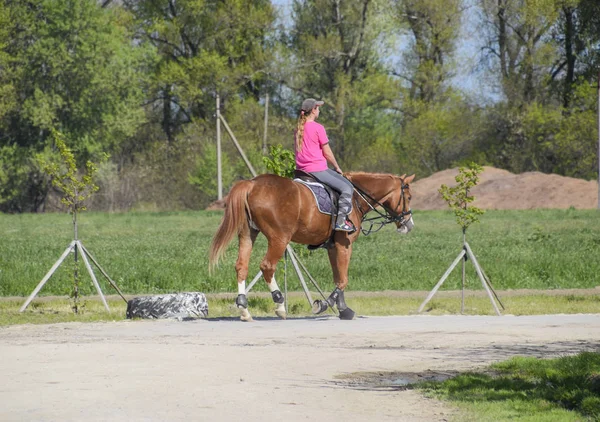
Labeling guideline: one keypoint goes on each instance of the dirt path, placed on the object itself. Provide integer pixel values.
(225, 370)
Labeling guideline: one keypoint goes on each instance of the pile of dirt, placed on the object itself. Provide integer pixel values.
(218, 205)
(501, 189)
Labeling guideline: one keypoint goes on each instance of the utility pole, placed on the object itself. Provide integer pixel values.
(266, 124)
(219, 174)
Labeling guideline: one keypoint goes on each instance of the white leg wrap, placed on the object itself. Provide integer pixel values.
(273, 285)
(242, 287)
(280, 310)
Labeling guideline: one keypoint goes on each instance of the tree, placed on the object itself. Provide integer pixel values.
(576, 34)
(75, 189)
(459, 199)
(206, 47)
(428, 61)
(441, 135)
(8, 100)
(517, 34)
(204, 175)
(433, 115)
(540, 50)
(73, 66)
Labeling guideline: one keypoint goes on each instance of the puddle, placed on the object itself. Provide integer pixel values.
(391, 380)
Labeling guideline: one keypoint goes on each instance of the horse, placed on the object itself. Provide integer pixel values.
(285, 211)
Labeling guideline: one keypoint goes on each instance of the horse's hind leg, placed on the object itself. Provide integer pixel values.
(247, 237)
(268, 265)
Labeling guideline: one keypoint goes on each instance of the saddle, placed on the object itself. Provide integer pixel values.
(334, 197)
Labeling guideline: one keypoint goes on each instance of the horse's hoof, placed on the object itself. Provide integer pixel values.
(280, 311)
(245, 315)
(347, 314)
(319, 306)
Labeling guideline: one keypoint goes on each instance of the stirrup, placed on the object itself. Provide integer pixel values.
(347, 227)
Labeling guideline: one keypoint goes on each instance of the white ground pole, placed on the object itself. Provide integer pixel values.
(91, 271)
(73, 246)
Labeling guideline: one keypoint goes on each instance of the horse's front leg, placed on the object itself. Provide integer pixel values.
(339, 257)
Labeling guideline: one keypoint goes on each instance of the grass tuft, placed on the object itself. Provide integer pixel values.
(528, 389)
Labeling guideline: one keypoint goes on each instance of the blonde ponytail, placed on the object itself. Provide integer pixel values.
(300, 130)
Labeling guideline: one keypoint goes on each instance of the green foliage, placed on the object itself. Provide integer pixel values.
(544, 138)
(76, 68)
(22, 187)
(8, 100)
(204, 176)
(205, 47)
(72, 65)
(65, 177)
(576, 138)
(518, 29)
(458, 197)
(440, 134)
(528, 388)
(280, 161)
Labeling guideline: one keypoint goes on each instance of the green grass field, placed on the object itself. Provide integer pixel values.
(155, 253)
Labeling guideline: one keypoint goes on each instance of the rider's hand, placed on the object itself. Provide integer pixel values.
(339, 170)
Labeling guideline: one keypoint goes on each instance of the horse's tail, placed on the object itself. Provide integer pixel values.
(234, 220)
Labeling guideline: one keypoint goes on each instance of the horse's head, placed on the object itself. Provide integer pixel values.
(399, 202)
(387, 195)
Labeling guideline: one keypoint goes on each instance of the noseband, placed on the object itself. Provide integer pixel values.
(386, 217)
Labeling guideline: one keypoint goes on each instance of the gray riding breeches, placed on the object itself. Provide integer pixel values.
(341, 185)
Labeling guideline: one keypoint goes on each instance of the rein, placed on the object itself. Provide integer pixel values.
(381, 219)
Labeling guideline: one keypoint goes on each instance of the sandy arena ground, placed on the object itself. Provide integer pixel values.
(226, 370)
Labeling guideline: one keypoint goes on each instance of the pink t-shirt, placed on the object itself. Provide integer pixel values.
(311, 159)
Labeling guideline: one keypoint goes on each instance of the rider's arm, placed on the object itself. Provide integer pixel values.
(328, 154)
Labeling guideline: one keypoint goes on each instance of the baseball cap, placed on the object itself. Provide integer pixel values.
(310, 103)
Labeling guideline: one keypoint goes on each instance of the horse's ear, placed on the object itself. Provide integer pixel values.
(409, 179)
(403, 176)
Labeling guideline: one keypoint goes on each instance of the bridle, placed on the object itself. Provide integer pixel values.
(386, 217)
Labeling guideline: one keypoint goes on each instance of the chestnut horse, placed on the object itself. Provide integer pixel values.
(285, 211)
